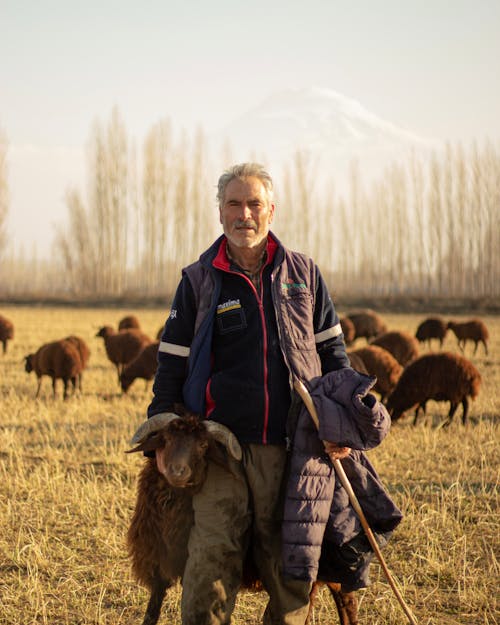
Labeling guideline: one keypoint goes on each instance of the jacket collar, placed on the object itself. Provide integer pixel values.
(216, 256)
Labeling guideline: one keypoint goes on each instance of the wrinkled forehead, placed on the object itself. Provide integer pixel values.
(248, 188)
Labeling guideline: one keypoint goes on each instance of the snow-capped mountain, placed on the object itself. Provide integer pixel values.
(331, 128)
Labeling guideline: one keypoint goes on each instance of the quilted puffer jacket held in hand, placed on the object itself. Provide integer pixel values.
(322, 536)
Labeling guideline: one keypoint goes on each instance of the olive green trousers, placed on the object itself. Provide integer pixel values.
(234, 509)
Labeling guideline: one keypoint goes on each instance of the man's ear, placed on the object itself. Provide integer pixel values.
(272, 208)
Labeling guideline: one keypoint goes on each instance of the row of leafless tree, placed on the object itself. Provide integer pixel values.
(428, 229)
(423, 228)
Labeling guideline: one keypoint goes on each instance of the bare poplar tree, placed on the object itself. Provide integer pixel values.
(4, 192)
(158, 176)
(457, 223)
(96, 242)
(78, 249)
(202, 204)
(491, 240)
(117, 169)
(181, 213)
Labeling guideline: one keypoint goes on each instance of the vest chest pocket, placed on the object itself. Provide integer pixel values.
(299, 306)
(231, 320)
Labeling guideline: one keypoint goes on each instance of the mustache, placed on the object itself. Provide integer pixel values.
(242, 223)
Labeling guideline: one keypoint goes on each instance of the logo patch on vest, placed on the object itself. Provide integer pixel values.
(231, 304)
(290, 284)
(230, 316)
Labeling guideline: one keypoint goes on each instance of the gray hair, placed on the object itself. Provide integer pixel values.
(242, 171)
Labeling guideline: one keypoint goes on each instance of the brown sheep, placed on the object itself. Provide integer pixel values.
(473, 330)
(6, 332)
(367, 323)
(357, 363)
(59, 360)
(348, 330)
(382, 364)
(129, 322)
(161, 523)
(432, 328)
(143, 366)
(84, 351)
(440, 377)
(402, 345)
(122, 347)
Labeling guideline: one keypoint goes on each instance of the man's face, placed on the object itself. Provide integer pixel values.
(246, 213)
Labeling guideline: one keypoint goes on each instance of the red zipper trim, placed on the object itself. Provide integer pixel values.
(221, 261)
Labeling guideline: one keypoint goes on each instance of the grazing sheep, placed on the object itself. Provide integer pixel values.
(129, 322)
(348, 330)
(432, 328)
(122, 347)
(143, 366)
(6, 332)
(403, 346)
(161, 523)
(440, 377)
(380, 363)
(367, 323)
(84, 351)
(473, 330)
(59, 360)
(357, 363)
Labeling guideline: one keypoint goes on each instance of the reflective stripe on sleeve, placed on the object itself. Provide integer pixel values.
(175, 350)
(331, 333)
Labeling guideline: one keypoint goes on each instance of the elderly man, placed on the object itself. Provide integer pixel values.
(248, 318)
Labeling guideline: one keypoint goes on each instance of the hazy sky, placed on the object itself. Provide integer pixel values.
(430, 66)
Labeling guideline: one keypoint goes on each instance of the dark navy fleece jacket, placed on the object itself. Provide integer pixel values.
(230, 365)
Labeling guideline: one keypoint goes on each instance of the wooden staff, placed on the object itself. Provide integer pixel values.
(339, 469)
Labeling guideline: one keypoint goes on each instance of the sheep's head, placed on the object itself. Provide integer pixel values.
(397, 407)
(183, 446)
(29, 363)
(106, 331)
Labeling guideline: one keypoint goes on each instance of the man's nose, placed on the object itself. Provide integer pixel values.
(246, 212)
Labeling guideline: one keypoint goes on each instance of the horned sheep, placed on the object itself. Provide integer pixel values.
(441, 377)
(473, 330)
(122, 347)
(143, 366)
(432, 328)
(402, 345)
(6, 332)
(58, 360)
(158, 534)
(367, 323)
(380, 363)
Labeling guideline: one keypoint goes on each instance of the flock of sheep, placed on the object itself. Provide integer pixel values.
(159, 529)
(405, 379)
(130, 350)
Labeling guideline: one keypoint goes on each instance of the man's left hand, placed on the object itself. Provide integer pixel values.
(335, 452)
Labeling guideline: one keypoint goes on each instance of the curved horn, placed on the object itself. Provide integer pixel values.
(151, 425)
(223, 435)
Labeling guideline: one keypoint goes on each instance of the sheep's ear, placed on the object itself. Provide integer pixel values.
(156, 441)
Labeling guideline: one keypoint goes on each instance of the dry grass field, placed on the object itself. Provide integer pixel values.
(67, 490)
